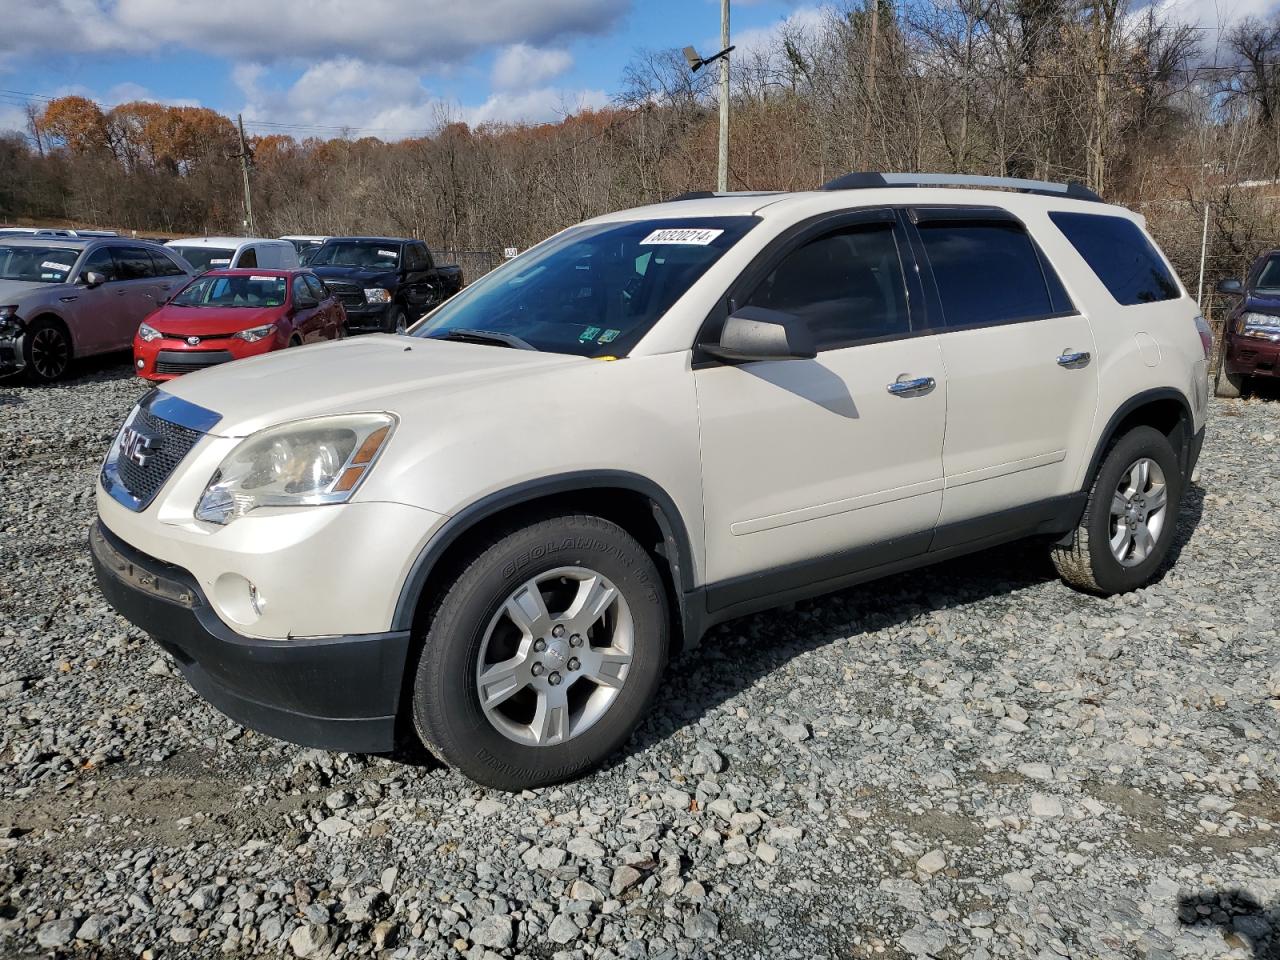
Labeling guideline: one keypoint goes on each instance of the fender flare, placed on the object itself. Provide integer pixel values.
(1129, 406)
(677, 547)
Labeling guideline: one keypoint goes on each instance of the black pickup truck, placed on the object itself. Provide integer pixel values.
(386, 283)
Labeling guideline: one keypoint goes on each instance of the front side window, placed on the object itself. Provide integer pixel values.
(593, 290)
(1116, 249)
(134, 263)
(205, 258)
(986, 272)
(244, 290)
(370, 254)
(301, 295)
(318, 291)
(101, 261)
(848, 285)
(37, 264)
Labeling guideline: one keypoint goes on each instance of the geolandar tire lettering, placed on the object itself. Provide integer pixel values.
(1130, 520)
(544, 654)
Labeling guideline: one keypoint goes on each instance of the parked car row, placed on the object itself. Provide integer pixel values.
(1251, 334)
(200, 301)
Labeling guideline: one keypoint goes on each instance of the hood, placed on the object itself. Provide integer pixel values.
(407, 376)
(1261, 303)
(369, 276)
(16, 291)
(211, 321)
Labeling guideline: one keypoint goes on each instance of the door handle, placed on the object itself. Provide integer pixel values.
(1073, 360)
(911, 387)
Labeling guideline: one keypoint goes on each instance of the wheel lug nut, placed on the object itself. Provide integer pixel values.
(539, 645)
(575, 640)
(573, 663)
(554, 679)
(558, 630)
(537, 669)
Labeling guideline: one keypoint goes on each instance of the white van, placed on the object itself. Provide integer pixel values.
(220, 253)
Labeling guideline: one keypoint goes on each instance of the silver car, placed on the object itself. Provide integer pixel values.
(65, 298)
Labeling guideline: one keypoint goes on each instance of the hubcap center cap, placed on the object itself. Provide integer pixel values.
(557, 652)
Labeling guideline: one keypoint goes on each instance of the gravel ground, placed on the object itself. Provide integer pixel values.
(970, 761)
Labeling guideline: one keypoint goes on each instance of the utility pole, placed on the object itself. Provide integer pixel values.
(244, 171)
(722, 179)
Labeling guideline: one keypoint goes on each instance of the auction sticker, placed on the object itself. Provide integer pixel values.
(687, 236)
(58, 267)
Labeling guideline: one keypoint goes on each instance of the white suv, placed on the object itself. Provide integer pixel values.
(495, 531)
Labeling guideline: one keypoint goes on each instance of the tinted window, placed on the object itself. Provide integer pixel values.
(1268, 280)
(248, 258)
(301, 295)
(318, 289)
(164, 267)
(847, 285)
(101, 261)
(205, 258)
(134, 263)
(1120, 254)
(986, 272)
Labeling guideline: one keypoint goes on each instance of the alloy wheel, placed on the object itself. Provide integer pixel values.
(555, 656)
(50, 353)
(1138, 510)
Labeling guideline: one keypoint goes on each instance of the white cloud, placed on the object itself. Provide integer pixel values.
(130, 92)
(764, 41)
(544, 105)
(522, 66)
(13, 118)
(423, 33)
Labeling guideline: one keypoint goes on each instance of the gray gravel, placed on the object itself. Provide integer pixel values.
(971, 761)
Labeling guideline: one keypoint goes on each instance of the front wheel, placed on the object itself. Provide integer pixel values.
(46, 351)
(1228, 385)
(544, 654)
(397, 322)
(1129, 522)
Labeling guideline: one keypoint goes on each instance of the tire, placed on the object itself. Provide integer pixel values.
(475, 619)
(295, 341)
(1090, 561)
(396, 322)
(1228, 385)
(46, 350)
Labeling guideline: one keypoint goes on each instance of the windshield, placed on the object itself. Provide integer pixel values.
(205, 258)
(240, 291)
(595, 290)
(37, 264)
(1269, 277)
(306, 249)
(371, 254)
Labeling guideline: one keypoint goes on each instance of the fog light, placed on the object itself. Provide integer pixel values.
(238, 598)
(141, 364)
(256, 600)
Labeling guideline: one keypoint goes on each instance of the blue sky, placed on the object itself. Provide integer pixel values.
(387, 68)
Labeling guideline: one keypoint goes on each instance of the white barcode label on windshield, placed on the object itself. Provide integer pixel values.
(683, 235)
(50, 265)
(256, 277)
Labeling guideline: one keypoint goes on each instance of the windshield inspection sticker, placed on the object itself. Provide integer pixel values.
(609, 336)
(682, 235)
(589, 334)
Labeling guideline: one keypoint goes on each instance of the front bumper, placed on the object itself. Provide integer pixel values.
(10, 356)
(370, 316)
(339, 693)
(1252, 356)
(171, 357)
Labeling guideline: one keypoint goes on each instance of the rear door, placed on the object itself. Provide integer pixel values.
(815, 468)
(169, 277)
(1022, 382)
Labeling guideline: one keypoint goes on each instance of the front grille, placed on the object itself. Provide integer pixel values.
(170, 443)
(184, 361)
(351, 295)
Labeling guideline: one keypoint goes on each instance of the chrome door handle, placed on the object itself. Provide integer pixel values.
(911, 387)
(1073, 360)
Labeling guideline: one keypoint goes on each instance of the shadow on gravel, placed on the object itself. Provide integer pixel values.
(1243, 921)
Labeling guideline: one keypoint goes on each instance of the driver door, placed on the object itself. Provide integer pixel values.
(813, 469)
(96, 311)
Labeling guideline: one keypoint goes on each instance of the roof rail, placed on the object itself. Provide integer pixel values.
(708, 194)
(865, 181)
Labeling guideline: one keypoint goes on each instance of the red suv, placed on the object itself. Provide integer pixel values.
(232, 314)
(1251, 336)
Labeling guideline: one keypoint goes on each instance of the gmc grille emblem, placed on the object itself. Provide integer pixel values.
(136, 447)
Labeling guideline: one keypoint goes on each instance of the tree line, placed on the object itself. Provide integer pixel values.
(1124, 100)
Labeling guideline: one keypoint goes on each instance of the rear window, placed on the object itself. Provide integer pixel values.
(988, 273)
(1117, 250)
(205, 258)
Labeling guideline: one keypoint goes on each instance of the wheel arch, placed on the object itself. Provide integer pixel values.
(636, 503)
(1164, 408)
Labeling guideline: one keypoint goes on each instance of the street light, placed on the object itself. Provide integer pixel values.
(696, 63)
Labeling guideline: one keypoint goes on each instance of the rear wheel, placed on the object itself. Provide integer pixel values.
(544, 654)
(46, 350)
(1229, 385)
(1128, 525)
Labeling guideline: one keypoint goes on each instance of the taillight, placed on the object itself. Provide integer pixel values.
(1206, 335)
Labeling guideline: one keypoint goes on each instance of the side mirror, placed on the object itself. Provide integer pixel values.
(757, 333)
(92, 278)
(1232, 288)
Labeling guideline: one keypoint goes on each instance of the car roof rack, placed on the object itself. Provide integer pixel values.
(867, 181)
(709, 194)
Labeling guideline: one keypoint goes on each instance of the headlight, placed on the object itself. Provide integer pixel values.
(377, 295)
(305, 463)
(149, 333)
(254, 334)
(1259, 325)
(9, 313)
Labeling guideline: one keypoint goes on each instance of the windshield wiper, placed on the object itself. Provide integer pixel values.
(487, 336)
